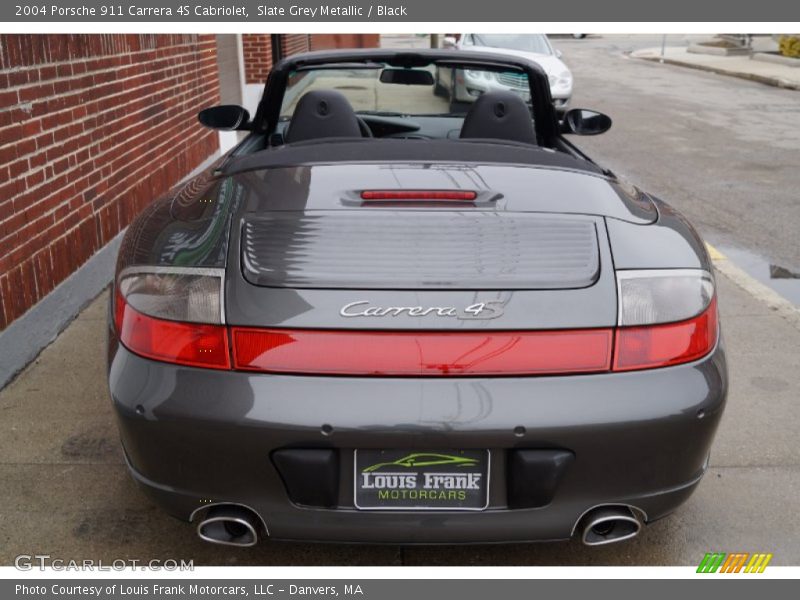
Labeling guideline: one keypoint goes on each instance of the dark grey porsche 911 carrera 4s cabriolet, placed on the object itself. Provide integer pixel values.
(391, 316)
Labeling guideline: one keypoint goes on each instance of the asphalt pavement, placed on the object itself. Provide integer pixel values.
(722, 150)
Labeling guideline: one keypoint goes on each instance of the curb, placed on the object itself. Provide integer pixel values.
(779, 83)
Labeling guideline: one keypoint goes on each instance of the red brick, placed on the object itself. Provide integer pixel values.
(16, 169)
(8, 98)
(17, 304)
(35, 92)
(25, 147)
(5, 302)
(18, 78)
(29, 283)
(11, 134)
(8, 153)
(43, 272)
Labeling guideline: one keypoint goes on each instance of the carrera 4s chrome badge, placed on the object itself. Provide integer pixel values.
(490, 309)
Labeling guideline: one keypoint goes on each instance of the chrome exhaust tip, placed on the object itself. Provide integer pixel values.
(610, 524)
(230, 525)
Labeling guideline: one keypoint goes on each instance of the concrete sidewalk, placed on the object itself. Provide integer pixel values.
(743, 67)
(64, 489)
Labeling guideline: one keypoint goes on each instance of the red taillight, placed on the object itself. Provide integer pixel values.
(421, 353)
(405, 353)
(193, 344)
(654, 346)
(419, 195)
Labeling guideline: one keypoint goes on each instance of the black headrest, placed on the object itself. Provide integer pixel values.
(499, 115)
(322, 114)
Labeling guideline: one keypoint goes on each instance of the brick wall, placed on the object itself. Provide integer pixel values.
(293, 43)
(326, 41)
(257, 51)
(257, 48)
(92, 128)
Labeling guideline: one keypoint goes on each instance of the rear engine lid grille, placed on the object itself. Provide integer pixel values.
(411, 250)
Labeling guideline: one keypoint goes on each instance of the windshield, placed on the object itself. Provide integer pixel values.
(431, 90)
(531, 42)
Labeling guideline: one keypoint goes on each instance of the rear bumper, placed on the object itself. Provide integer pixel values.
(192, 436)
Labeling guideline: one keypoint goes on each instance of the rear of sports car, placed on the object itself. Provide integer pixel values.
(415, 353)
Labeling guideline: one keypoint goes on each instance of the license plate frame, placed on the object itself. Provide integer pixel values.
(456, 469)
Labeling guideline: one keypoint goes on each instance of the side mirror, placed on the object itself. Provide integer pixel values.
(582, 121)
(559, 54)
(227, 117)
(449, 42)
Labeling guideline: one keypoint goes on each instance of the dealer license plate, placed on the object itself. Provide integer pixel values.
(421, 479)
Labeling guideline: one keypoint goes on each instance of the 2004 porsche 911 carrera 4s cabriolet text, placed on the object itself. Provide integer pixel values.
(388, 316)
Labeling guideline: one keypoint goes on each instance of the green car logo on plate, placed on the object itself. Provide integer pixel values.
(424, 460)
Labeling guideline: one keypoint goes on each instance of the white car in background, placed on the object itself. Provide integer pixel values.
(466, 85)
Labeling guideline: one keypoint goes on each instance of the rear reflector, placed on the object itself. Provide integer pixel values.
(436, 195)
(421, 353)
(669, 344)
(192, 344)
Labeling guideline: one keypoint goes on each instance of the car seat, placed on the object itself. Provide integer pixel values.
(322, 114)
(499, 115)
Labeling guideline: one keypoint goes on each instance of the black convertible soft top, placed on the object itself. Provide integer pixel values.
(375, 150)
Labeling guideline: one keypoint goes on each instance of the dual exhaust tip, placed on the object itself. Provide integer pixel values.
(230, 525)
(236, 525)
(609, 524)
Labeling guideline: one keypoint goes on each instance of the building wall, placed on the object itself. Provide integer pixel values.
(295, 43)
(327, 41)
(257, 50)
(92, 128)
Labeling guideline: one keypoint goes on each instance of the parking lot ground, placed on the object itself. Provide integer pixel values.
(65, 490)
